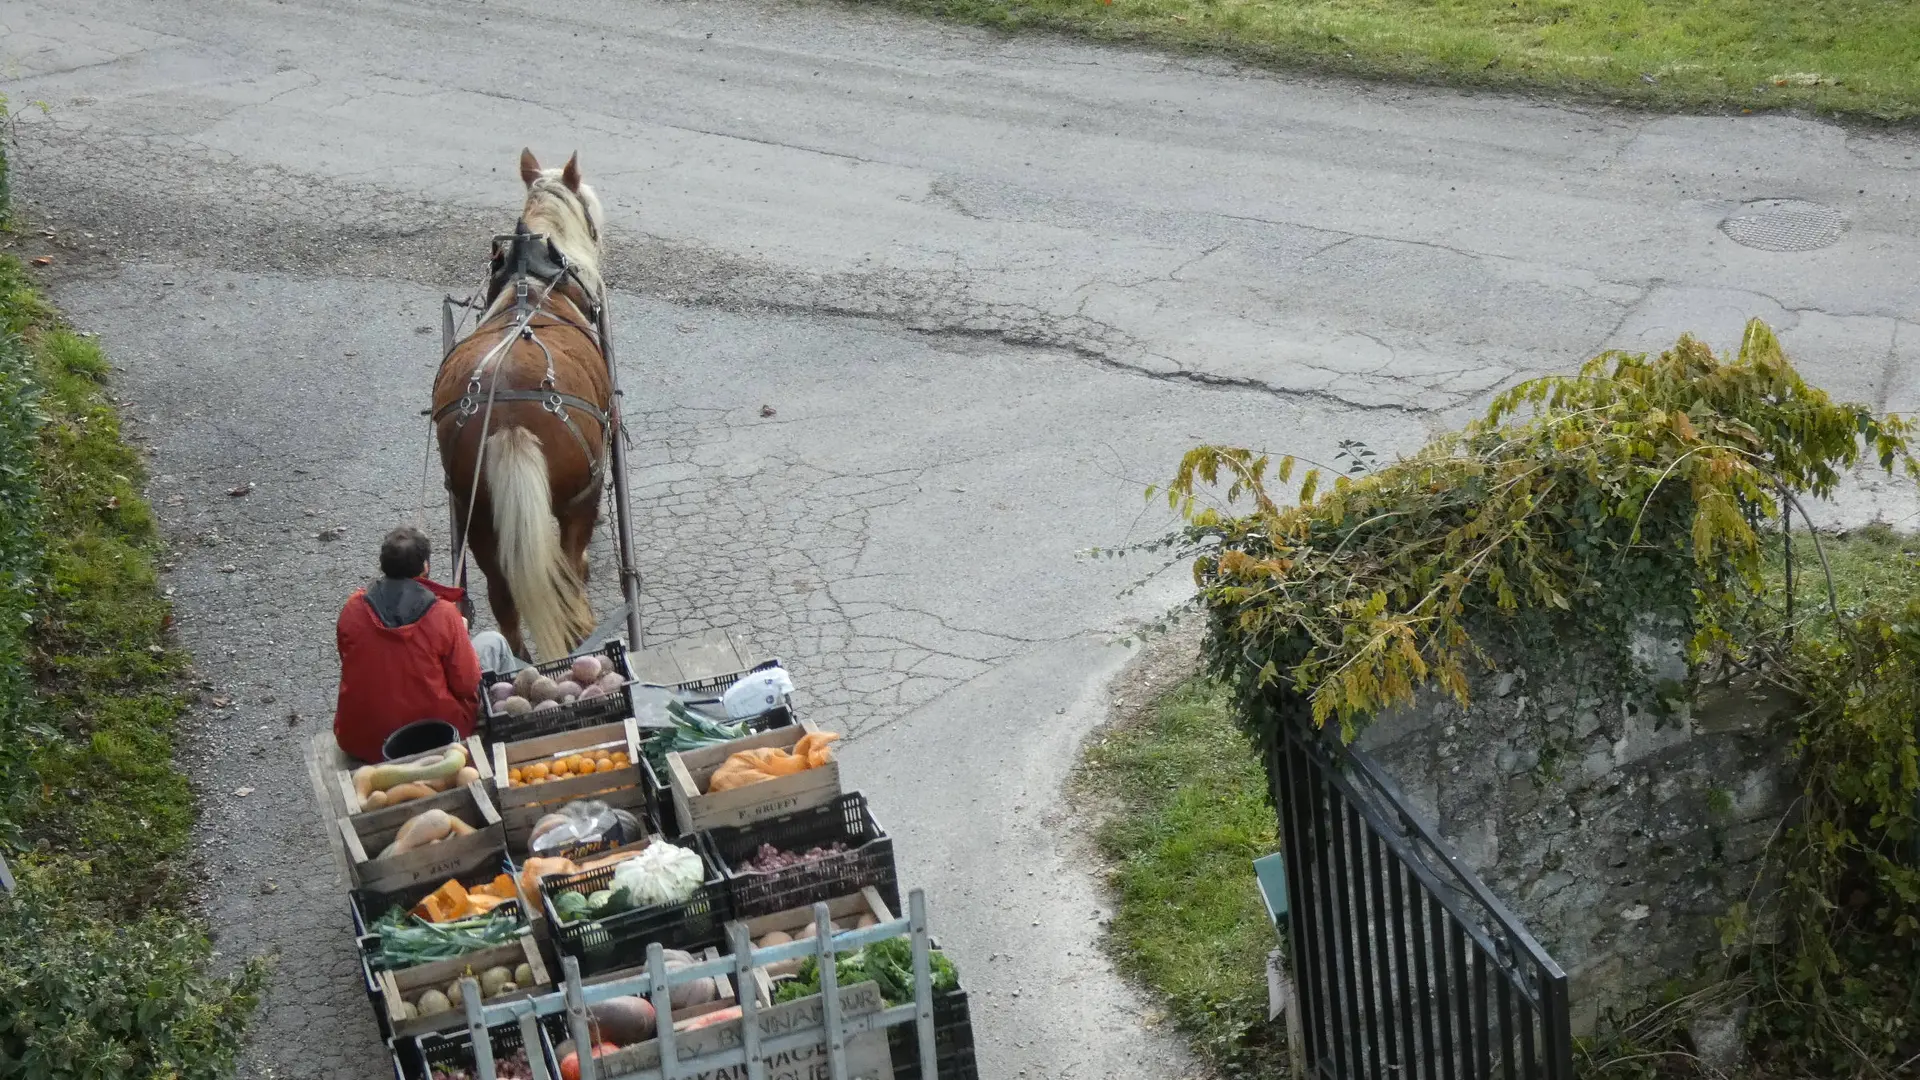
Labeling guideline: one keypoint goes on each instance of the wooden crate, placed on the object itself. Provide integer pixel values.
(343, 771)
(729, 995)
(523, 804)
(696, 811)
(366, 835)
(408, 983)
(867, 901)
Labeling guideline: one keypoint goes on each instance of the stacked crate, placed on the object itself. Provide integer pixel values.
(795, 813)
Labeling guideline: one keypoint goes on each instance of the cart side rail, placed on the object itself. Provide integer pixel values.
(831, 1018)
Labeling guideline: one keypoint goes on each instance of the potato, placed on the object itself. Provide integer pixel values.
(433, 1002)
(500, 691)
(774, 937)
(594, 691)
(543, 689)
(523, 975)
(566, 689)
(866, 921)
(611, 681)
(523, 680)
(406, 1010)
(545, 705)
(455, 997)
(516, 706)
(585, 669)
(492, 979)
(806, 933)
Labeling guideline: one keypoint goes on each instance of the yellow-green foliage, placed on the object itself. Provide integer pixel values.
(1637, 487)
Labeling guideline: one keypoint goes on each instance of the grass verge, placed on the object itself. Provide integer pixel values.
(1189, 816)
(102, 974)
(1851, 57)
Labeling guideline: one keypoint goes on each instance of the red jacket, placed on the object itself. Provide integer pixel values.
(391, 676)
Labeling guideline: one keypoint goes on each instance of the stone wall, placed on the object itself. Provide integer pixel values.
(1617, 825)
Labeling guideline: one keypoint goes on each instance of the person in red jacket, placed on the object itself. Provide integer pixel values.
(405, 654)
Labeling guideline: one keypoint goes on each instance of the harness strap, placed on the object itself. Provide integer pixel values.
(519, 260)
(558, 404)
(555, 401)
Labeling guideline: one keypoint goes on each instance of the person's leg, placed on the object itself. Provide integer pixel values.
(495, 654)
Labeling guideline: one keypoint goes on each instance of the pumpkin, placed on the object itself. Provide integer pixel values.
(539, 867)
(445, 904)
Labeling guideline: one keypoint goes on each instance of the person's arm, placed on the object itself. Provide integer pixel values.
(462, 666)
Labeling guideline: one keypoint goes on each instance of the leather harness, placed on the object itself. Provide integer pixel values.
(520, 259)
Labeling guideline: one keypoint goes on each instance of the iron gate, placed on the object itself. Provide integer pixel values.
(1404, 964)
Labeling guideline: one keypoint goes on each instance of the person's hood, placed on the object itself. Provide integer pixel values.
(398, 602)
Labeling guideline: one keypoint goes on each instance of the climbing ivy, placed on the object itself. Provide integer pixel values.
(1640, 490)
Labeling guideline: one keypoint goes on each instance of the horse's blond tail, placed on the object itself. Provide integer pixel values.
(550, 595)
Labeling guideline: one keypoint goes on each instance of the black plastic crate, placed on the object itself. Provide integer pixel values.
(419, 1055)
(620, 941)
(952, 1041)
(846, 820)
(376, 994)
(654, 786)
(718, 684)
(612, 708)
(368, 905)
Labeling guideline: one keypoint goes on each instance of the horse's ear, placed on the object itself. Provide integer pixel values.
(570, 176)
(529, 167)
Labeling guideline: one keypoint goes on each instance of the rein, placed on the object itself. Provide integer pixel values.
(522, 262)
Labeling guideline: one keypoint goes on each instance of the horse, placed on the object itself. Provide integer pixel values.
(521, 412)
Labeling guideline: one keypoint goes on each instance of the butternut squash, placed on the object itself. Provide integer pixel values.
(443, 765)
(427, 827)
(400, 793)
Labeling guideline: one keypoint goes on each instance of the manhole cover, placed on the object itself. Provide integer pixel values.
(1785, 225)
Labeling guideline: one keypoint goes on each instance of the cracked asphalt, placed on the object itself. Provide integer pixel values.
(990, 288)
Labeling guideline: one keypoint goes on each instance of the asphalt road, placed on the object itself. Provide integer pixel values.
(990, 288)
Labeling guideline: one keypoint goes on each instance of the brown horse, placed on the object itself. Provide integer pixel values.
(521, 408)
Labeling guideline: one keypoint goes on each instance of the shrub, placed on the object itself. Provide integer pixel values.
(85, 998)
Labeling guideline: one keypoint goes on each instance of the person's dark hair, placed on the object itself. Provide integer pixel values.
(403, 554)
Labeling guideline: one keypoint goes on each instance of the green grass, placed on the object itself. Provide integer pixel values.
(1859, 57)
(104, 974)
(100, 762)
(1190, 817)
(1874, 562)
